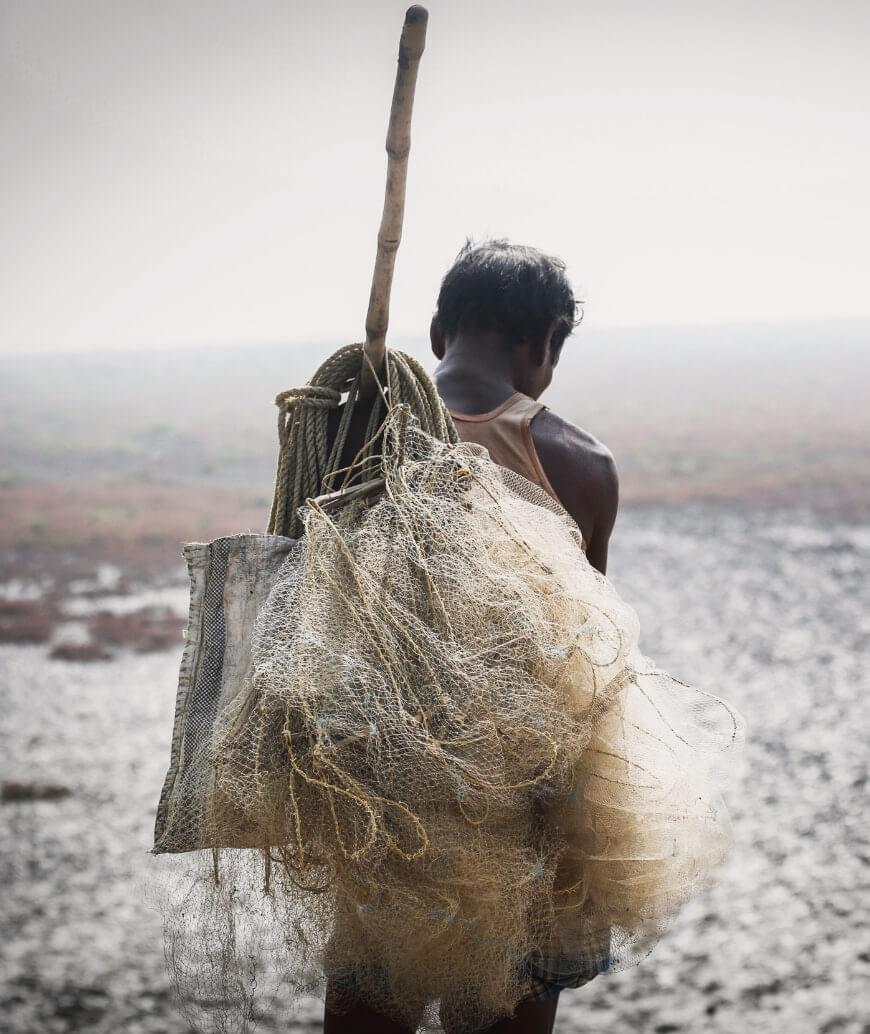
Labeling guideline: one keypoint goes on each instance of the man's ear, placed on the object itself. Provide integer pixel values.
(549, 352)
(539, 351)
(436, 338)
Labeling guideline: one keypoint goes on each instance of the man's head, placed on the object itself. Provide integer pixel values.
(512, 293)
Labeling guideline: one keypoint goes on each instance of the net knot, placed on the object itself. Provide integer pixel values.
(311, 396)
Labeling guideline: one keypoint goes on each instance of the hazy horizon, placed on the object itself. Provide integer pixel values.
(755, 412)
(655, 333)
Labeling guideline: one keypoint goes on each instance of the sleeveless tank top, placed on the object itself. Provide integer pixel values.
(505, 433)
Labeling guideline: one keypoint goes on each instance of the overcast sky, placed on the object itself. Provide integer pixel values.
(191, 173)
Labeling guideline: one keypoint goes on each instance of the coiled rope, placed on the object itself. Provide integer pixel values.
(307, 465)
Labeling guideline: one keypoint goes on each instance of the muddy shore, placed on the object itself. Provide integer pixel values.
(768, 608)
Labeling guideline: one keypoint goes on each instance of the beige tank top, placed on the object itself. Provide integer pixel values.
(506, 434)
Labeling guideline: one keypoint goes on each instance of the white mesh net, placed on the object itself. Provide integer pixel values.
(452, 768)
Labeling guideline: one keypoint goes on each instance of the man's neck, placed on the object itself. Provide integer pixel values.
(478, 372)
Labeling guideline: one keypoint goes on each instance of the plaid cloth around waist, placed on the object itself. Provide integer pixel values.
(542, 976)
(546, 977)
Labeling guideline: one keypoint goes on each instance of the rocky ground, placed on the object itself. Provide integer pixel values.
(770, 609)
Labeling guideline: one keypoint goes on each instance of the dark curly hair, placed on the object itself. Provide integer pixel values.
(515, 290)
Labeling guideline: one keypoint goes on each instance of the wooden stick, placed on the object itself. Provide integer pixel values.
(332, 500)
(411, 47)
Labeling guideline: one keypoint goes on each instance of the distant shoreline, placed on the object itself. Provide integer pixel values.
(66, 530)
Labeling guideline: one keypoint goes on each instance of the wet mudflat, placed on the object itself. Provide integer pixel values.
(769, 609)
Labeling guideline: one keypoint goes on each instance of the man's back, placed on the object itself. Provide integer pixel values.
(505, 432)
(525, 436)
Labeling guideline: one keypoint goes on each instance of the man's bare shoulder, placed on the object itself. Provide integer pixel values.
(572, 448)
(582, 472)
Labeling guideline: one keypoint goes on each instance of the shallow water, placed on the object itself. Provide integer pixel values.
(770, 610)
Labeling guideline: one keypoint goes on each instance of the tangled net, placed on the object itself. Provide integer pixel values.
(451, 762)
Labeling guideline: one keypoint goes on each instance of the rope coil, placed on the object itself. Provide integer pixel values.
(308, 463)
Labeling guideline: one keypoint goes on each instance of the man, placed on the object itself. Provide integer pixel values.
(504, 312)
(503, 315)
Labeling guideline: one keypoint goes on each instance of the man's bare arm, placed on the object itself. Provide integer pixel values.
(608, 500)
(583, 474)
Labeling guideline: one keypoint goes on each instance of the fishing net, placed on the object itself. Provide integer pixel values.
(449, 767)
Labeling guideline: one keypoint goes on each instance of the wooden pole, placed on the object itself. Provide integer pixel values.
(411, 47)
